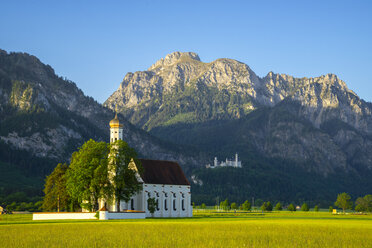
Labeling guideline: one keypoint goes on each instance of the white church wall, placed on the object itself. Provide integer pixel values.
(137, 203)
(166, 196)
(172, 196)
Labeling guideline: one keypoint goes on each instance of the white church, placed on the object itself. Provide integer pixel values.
(162, 180)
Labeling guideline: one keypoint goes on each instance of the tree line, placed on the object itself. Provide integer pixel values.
(362, 204)
(97, 171)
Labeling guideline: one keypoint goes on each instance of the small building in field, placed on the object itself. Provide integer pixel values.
(162, 180)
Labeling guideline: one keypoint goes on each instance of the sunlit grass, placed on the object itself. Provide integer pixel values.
(206, 229)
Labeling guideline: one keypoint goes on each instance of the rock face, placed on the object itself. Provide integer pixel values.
(49, 117)
(328, 125)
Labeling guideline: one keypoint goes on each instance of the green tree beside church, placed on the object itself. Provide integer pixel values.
(98, 171)
(56, 197)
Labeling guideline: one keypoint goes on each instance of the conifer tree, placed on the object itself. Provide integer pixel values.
(56, 196)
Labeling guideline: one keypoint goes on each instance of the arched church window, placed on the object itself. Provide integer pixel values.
(183, 205)
(157, 205)
(165, 205)
(132, 204)
(174, 205)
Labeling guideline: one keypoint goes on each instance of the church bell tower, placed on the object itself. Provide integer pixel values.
(116, 129)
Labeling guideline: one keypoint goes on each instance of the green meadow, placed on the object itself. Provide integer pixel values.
(205, 229)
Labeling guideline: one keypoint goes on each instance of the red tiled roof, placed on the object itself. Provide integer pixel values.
(163, 172)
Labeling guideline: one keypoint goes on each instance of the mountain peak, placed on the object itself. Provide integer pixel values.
(175, 57)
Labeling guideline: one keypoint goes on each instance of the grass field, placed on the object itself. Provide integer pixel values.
(206, 229)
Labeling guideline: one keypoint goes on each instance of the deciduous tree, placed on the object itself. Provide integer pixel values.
(364, 204)
(87, 177)
(291, 208)
(246, 206)
(278, 207)
(269, 206)
(305, 207)
(225, 204)
(151, 205)
(263, 206)
(344, 201)
(123, 178)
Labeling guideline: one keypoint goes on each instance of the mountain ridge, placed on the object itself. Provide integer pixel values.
(188, 91)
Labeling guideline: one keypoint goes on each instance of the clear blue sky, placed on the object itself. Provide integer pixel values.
(95, 43)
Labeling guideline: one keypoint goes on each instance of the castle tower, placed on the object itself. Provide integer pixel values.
(236, 160)
(116, 129)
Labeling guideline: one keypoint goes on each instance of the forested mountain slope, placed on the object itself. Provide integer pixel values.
(44, 118)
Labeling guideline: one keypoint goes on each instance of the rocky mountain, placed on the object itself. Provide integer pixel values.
(44, 118)
(223, 105)
(298, 138)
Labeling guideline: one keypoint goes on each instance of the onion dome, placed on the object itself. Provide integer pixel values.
(115, 122)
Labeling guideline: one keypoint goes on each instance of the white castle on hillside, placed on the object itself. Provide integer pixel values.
(228, 163)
